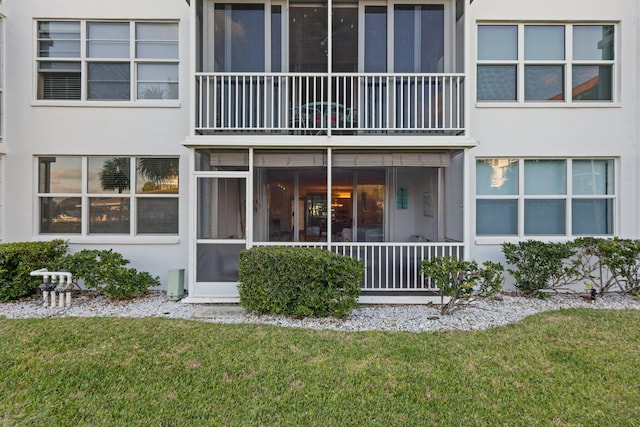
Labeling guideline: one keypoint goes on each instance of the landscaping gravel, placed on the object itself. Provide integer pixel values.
(479, 314)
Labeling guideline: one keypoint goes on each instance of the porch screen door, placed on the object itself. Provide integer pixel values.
(221, 229)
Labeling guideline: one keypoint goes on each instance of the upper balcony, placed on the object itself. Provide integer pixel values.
(328, 68)
(316, 104)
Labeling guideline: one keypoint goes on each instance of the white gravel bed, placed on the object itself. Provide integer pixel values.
(480, 314)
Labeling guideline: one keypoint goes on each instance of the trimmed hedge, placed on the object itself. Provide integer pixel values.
(299, 281)
(17, 260)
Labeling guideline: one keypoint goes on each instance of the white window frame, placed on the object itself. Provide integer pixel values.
(133, 195)
(568, 197)
(84, 60)
(568, 62)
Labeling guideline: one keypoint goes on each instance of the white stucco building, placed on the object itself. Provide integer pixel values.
(179, 133)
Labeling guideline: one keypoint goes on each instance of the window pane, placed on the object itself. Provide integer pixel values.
(157, 216)
(307, 38)
(59, 39)
(542, 177)
(544, 83)
(497, 82)
(221, 208)
(593, 42)
(60, 175)
(375, 39)
(592, 82)
(109, 215)
(109, 175)
(157, 81)
(544, 217)
(157, 50)
(280, 208)
(345, 39)
(276, 38)
(157, 31)
(543, 42)
(59, 80)
(60, 215)
(418, 38)
(169, 90)
(157, 175)
(496, 217)
(109, 80)
(592, 216)
(108, 39)
(157, 40)
(593, 177)
(239, 37)
(497, 42)
(497, 177)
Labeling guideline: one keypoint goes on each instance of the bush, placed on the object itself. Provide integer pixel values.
(460, 280)
(299, 281)
(105, 272)
(18, 260)
(539, 265)
(615, 262)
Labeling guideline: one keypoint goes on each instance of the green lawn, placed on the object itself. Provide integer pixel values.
(572, 367)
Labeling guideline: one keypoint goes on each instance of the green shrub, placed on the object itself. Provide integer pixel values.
(18, 260)
(539, 265)
(299, 281)
(105, 272)
(460, 280)
(607, 263)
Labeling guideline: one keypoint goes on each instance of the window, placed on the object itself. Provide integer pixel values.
(545, 63)
(99, 60)
(95, 195)
(544, 197)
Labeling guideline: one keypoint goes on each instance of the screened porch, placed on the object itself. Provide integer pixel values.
(389, 209)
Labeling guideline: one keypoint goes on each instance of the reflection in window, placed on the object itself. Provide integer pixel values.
(550, 204)
(239, 37)
(106, 66)
(109, 197)
(544, 83)
(556, 59)
(497, 177)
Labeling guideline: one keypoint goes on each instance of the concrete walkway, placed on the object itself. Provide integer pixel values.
(218, 311)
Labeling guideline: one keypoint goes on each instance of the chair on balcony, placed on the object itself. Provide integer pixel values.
(314, 118)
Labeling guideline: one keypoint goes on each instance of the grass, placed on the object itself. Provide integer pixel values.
(570, 367)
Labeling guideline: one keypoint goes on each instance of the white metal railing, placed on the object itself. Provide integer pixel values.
(389, 266)
(320, 103)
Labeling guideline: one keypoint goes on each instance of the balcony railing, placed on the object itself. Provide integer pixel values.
(390, 266)
(319, 104)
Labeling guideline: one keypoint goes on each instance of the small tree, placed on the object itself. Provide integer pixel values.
(460, 280)
(606, 263)
(539, 265)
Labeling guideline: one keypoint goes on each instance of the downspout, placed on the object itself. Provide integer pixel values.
(466, 235)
